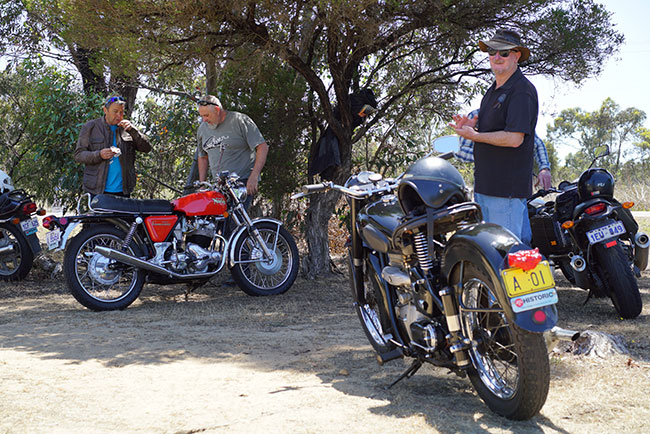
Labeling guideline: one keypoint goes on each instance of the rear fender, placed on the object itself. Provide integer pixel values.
(34, 244)
(489, 244)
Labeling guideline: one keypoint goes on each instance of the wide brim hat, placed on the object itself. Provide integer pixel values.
(506, 40)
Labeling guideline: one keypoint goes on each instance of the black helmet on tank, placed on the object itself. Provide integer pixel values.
(431, 182)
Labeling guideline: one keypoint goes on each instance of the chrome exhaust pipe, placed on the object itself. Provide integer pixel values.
(557, 334)
(145, 265)
(580, 273)
(578, 263)
(642, 242)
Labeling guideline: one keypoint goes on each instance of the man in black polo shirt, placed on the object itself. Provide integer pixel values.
(503, 135)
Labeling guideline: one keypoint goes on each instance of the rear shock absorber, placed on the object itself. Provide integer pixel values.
(426, 262)
(129, 235)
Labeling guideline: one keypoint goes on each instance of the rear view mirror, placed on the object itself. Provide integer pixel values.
(446, 144)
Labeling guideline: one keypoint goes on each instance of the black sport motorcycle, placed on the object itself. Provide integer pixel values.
(431, 282)
(18, 241)
(592, 237)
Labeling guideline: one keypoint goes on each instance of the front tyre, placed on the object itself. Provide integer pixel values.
(616, 271)
(370, 310)
(16, 256)
(510, 369)
(258, 276)
(94, 280)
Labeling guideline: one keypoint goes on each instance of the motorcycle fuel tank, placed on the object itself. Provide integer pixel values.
(201, 203)
(378, 221)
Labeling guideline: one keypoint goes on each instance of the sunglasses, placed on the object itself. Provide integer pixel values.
(203, 103)
(113, 99)
(502, 53)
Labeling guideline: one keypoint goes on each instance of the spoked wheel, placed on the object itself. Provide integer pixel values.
(510, 365)
(94, 280)
(16, 257)
(258, 276)
(371, 314)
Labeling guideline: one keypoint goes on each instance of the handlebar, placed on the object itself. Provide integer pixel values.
(543, 192)
(356, 194)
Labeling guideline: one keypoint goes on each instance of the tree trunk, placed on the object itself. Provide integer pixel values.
(92, 82)
(321, 209)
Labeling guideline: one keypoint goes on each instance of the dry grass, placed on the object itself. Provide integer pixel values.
(218, 360)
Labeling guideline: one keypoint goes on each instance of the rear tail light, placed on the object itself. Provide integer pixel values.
(29, 208)
(525, 259)
(595, 209)
(48, 222)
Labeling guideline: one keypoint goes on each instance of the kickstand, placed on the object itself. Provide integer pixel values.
(417, 364)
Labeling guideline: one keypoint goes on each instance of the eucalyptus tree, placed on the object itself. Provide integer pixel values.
(609, 125)
(414, 54)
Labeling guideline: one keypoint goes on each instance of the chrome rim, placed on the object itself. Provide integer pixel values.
(10, 254)
(265, 274)
(370, 315)
(492, 349)
(97, 274)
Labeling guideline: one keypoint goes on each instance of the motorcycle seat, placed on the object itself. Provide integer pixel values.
(110, 203)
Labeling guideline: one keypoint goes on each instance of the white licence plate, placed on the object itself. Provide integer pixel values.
(53, 239)
(606, 232)
(29, 226)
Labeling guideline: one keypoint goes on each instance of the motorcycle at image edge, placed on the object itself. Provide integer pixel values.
(432, 282)
(18, 241)
(124, 242)
(592, 237)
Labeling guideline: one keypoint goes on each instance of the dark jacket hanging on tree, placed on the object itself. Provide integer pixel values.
(326, 155)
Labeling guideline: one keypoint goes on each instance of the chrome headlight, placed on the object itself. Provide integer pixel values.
(240, 192)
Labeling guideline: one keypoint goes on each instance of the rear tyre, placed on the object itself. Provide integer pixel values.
(95, 281)
(510, 369)
(16, 256)
(566, 269)
(257, 277)
(616, 271)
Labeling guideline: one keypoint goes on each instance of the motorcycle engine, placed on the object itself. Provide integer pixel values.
(423, 331)
(190, 252)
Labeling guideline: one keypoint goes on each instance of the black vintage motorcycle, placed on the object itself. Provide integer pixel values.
(18, 241)
(431, 282)
(125, 242)
(592, 237)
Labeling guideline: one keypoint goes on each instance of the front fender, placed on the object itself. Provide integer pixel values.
(235, 237)
(488, 244)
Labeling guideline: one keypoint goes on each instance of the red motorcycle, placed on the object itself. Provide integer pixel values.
(124, 242)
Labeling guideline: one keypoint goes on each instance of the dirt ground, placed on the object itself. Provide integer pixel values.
(220, 361)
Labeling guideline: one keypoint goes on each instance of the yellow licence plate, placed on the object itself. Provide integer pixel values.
(519, 282)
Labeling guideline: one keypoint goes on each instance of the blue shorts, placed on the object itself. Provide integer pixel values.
(511, 213)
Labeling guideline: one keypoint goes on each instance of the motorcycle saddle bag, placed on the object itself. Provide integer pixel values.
(110, 203)
(548, 235)
(565, 203)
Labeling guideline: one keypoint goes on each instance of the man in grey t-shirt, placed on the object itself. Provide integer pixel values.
(229, 140)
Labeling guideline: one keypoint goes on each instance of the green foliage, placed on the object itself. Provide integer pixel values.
(606, 126)
(44, 113)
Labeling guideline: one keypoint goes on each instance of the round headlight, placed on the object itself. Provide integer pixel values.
(240, 192)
